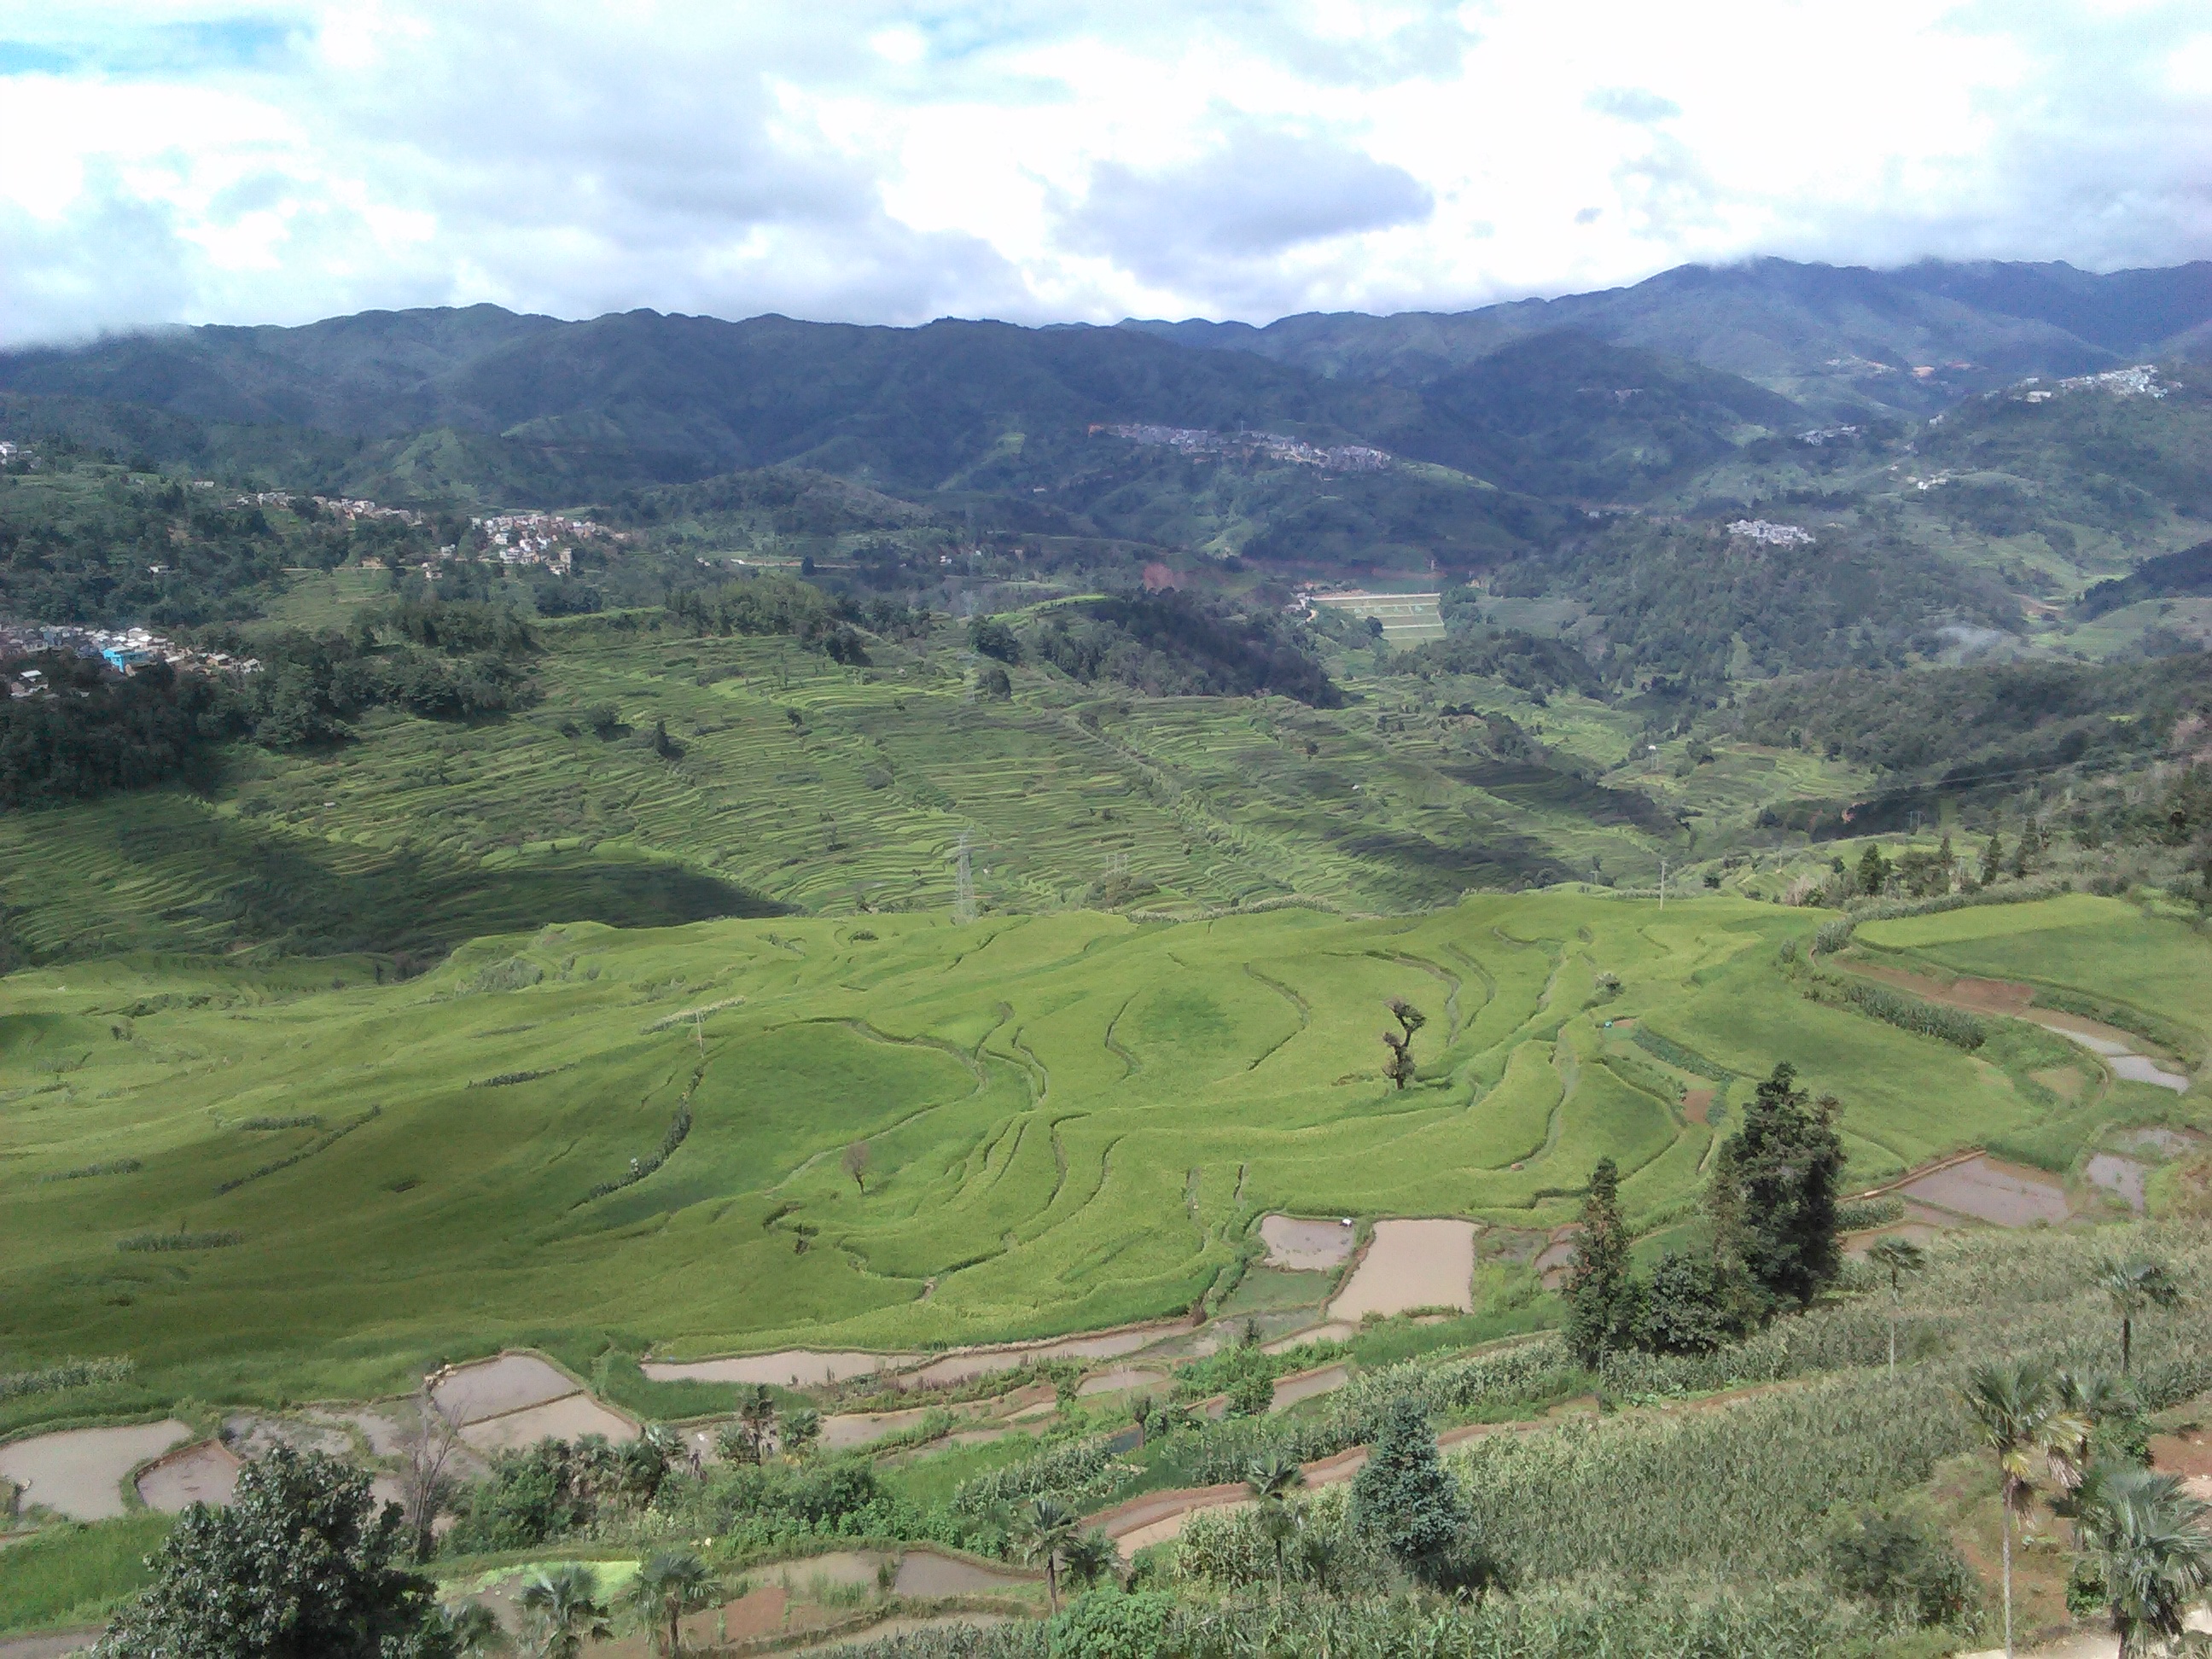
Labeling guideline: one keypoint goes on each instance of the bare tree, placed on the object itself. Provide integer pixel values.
(856, 1164)
(1410, 1019)
(428, 1444)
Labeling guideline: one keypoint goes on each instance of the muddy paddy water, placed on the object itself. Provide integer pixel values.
(492, 1388)
(792, 1368)
(204, 1474)
(1980, 1188)
(79, 1472)
(1305, 1246)
(1410, 1265)
(1335, 1330)
(569, 1417)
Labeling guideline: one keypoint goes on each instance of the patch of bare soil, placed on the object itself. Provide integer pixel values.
(1697, 1105)
(203, 1473)
(2064, 1081)
(252, 1435)
(1979, 996)
(52, 1645)
(1411, 1264)
(1305, 1246)
(79, 1472)
(2120, 1049)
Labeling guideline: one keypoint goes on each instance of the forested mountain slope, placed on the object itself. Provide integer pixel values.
(1839, 337)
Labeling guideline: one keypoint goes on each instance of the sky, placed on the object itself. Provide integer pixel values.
(1062, 160)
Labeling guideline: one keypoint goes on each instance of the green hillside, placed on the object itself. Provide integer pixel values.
(1070, 1121)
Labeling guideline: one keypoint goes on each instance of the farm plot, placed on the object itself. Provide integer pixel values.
(828, 1149)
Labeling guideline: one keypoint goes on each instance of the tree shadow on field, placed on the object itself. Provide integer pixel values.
(327, 900)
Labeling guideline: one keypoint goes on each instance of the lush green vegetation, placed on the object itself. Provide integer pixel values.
(1023, 1085)
(69, 1576)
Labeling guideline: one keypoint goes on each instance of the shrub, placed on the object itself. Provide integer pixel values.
(1111, 1624)
(1685, 1307)
(220, 1240)
(1868, 1213)
(1059, 1472)
(114, 1166)
(1901, 1567)
(679, 1127)
(66, 1374)
(1907, 1013)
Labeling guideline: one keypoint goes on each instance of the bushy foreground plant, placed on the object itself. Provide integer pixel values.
(299, 1562)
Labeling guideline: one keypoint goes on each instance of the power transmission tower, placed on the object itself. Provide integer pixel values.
(963, 887)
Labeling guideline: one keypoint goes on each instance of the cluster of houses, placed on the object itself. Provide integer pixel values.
(1771, 535)
(1196, 440)
(125, 650)
(535, 538)
(2138, 380)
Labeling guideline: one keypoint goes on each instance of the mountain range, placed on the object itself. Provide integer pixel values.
(1598, 395)
(1836, 337)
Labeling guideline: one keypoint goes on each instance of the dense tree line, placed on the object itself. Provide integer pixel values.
(97, 543)
(93, 732)
(1171, 645)
(1527, 662)
(1678, 598)
(2000, 718)
(89, 731)
(775, 604)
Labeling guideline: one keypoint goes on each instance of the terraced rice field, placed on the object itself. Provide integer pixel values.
(584, 1139)
(799, 783)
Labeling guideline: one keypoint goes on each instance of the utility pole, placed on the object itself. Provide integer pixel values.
(1663, 886)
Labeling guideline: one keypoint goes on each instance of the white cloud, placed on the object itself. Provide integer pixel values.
(174, 160)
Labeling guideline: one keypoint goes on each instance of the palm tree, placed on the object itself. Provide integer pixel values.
(757, 1414)
(475, 1630)
(2023, 1422)
(1089, 1557)
(797, 1429)
(1896, 1257)
(2086, 1401)
(1046, 1529)
(562, 1608)
(2152, 1554)
(669, 1584)
(1272, 1480)
(2134, 1286)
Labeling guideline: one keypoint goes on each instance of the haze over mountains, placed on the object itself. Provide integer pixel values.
(1653, 380)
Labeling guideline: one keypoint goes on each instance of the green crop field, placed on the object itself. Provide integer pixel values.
(790, 781)
(264, 1183)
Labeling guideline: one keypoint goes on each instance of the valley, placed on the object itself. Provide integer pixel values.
(975, 977)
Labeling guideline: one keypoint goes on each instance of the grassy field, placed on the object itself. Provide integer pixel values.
(1069, 1120)
(69, 1576)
